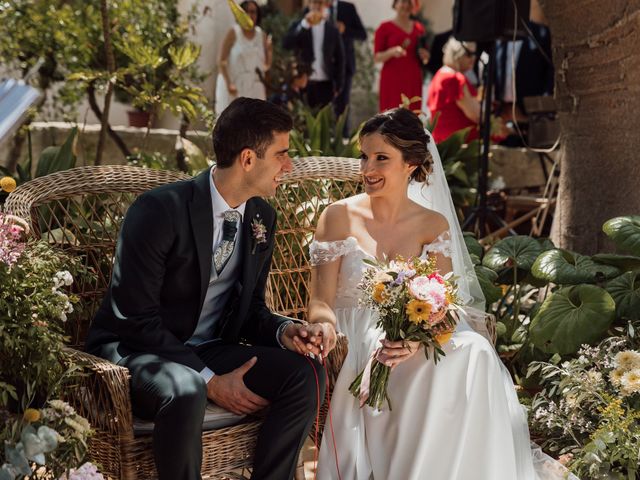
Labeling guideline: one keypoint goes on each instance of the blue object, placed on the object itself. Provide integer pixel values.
(16, 97)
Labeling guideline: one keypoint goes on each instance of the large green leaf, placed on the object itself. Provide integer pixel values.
(571, 317)
(487, 277)
(473, 245)
(625, 232)
(56, 159)
(520, 251)
(568, 268)
(625, 290)
(623, 262)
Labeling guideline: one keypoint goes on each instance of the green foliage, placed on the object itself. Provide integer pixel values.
(155, 62)
(34, 304)
(317, 136)
(569, 268)
(571, 317)
(589, 405)
(625, 232)
(552, 300)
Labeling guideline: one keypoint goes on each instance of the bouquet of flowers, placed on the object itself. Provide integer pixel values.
(415, 303)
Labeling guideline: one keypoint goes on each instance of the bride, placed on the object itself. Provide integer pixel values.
(458, 420)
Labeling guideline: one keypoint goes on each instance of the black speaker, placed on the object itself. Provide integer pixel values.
(489, 20)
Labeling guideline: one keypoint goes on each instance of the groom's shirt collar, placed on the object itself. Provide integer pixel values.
(219, 204)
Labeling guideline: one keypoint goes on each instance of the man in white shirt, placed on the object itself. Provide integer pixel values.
(187, 298)
(316, 41)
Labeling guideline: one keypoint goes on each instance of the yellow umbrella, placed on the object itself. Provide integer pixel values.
(243, 19)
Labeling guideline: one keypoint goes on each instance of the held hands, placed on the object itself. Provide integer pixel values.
(230, 392)
(316, 338)
(394, 353)
(341, 26)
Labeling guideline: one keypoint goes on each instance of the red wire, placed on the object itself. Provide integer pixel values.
(315, 440)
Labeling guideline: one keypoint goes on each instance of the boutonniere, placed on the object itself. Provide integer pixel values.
(258, 232)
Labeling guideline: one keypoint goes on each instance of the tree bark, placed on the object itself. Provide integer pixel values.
(108, 50)
(91, 95)
(595, 51)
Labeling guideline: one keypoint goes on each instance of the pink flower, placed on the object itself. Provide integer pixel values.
(429, 290)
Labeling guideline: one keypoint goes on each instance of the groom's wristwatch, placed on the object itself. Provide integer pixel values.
(283, 326)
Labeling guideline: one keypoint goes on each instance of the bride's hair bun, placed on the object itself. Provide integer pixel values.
(403, 129)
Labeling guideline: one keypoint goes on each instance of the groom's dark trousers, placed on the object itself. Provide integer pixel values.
(174, 396)
(160, 279)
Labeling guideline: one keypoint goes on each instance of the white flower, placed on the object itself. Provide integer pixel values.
(63, 317)
(630, 382)
(628, 360)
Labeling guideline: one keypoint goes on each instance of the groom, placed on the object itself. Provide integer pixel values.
(187, 296)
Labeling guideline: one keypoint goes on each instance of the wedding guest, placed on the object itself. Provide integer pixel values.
(346, 18)
(451, 97)
(243, 53)
(316, 41)
(396, 47)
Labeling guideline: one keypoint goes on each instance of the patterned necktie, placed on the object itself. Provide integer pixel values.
(225, 248)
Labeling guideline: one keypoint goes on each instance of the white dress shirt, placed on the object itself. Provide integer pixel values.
(319, 72)
(220, 206)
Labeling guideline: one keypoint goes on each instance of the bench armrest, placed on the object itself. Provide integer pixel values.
(101, 394)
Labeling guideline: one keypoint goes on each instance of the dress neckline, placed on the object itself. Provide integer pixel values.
(413, 27)
(359, 247)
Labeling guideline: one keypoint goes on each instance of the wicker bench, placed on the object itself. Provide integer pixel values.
(80, 210)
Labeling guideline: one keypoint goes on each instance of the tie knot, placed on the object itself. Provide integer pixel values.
(230, 225)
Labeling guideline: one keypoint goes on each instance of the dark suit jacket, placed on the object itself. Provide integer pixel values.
(161, 274)
(534, 71)
(354, 30)
(300, 40)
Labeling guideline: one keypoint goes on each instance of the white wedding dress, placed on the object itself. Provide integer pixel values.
(458, 420)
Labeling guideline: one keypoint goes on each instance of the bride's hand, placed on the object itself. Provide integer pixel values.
(394, 353)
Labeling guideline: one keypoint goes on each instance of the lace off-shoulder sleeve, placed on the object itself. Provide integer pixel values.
(441, 245)
(325, 252)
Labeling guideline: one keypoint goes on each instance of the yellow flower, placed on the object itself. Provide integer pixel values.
(8, 184)
(379, 294)
(418, 311)
(31, 415)
(444, 337)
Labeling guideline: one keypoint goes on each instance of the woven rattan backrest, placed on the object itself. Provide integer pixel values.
(80, 210)
(314, 183)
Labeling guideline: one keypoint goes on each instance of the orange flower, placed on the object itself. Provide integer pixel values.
(418, 311)
(8, 184)
(379, 294)
(443, 338)
(31, 415)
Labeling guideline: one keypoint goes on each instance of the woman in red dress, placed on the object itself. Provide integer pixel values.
(451, 96)
(396, 47)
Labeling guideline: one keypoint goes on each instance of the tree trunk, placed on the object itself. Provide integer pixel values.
(108, 51)
(598, 96)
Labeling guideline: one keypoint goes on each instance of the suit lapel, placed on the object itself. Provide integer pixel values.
(249, 259)
(201, 215)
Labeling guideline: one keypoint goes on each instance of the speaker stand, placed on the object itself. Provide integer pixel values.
(482, 215)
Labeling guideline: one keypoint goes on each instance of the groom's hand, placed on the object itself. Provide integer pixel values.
(316, 338)
(230, 392)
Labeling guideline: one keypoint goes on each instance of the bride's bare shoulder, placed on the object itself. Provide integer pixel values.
(432, 223)
(334, 222)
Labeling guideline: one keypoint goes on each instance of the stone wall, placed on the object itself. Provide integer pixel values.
(44, 134)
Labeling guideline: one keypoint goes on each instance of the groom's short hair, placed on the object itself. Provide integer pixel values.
(247, 123)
